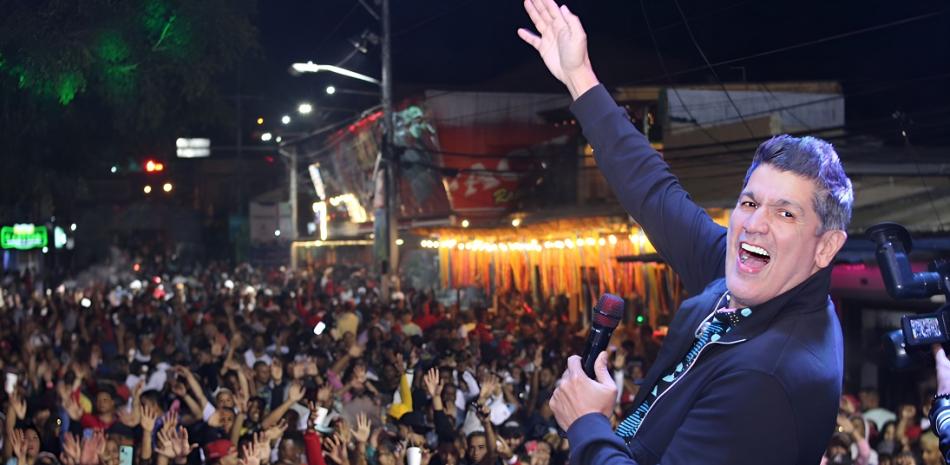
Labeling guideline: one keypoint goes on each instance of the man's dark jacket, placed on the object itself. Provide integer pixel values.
(766, 392)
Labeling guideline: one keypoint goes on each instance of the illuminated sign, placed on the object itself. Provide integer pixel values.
(317, 181)
(23, 237)
(59, 237)
(193, 148)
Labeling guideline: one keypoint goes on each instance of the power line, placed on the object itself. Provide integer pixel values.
(699, 49)
(708, 16)
(903, 120)
(339, 24)
(700, 159)
(794, 116)
(659, 56)
(841, 96)
(809, 43)
(669, 75)
(434, 17)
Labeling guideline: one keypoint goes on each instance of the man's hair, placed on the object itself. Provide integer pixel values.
(813, 159)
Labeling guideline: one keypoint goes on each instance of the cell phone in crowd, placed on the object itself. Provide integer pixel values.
(9, 383)
(125, 455)
(319, 328)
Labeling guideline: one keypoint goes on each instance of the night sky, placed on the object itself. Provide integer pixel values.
(469, 45)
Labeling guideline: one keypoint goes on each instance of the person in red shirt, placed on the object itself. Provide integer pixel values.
(104, 410)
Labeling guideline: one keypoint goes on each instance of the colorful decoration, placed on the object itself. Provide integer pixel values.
(567, 256)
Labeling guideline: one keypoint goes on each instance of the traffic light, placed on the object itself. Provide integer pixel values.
(152, 166)
(641, 320)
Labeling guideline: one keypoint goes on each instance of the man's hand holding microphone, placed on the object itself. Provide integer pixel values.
(586, 386)
(577, 395)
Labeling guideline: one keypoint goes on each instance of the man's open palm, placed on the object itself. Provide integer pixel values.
(562, 43)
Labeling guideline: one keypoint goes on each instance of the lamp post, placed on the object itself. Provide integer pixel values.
(387, 240)
(311, 67)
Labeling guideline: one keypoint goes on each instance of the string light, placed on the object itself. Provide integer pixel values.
(534, 245)
(339, 243)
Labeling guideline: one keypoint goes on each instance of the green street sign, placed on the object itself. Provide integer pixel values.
(23, 237)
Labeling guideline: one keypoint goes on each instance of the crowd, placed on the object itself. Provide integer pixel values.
(243, 366)
(870, 434)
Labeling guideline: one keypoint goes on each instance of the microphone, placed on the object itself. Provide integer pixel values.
(607, 314)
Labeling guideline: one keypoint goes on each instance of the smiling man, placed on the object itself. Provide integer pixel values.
(751, 369)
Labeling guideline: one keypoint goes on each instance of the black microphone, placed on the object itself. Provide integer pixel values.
(607, 314)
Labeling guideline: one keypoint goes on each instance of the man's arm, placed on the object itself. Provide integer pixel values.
(593, 441)
(679, 229)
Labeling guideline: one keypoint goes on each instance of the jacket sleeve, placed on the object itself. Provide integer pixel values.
(680, 230)
(745, 407)
(593, 442)
(314, 449)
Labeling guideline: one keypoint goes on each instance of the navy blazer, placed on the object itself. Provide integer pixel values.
(766, 392)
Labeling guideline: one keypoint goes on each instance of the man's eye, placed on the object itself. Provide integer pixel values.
(786, 214)
(748, 203)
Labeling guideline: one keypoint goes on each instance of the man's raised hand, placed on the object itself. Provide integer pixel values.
(562, 44)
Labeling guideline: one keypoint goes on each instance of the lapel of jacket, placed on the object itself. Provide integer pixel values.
(681, 334)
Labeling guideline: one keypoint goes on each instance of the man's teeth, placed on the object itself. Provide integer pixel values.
(753, 249)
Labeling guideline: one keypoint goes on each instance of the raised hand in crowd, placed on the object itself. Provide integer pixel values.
(433, 384)
(276, 431)
(256, 452)
(362, 430)
(335, 450)
(19, 446)
(93, 448)
(72, 450)
(173, 444)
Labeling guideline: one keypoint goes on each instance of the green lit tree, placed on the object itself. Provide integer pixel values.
(83, 83)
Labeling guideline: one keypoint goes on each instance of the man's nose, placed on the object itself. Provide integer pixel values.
(757, 222)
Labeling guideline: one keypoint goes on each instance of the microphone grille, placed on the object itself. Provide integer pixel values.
(609, 310)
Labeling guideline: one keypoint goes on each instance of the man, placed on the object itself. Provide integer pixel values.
(751, 369)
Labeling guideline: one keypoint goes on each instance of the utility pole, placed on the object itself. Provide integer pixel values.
(390, 267)
(292, 169)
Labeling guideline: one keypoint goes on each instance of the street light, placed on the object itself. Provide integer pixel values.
(387, 239)
(305, 108)
(285, 119)
(167, 187)
(147, 189)
(311, 67)
(266, 137)
(334, 90)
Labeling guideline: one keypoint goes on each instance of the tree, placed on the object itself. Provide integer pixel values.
(86, 84)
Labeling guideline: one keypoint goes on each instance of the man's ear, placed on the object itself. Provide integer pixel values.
(828, 246)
